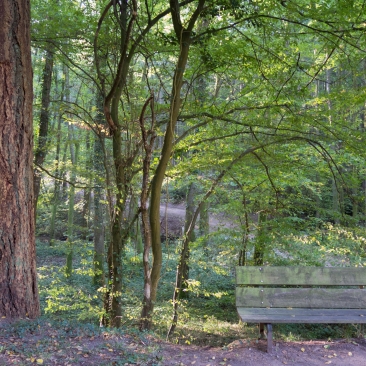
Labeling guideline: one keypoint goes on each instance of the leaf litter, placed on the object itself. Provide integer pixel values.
(39, 342)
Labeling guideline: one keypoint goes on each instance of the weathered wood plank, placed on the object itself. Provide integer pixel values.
(267, 275)
(335, 298)
(314, 316)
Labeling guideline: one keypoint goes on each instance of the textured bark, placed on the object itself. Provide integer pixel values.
(18, 281)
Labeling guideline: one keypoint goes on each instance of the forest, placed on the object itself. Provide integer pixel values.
(249, 116)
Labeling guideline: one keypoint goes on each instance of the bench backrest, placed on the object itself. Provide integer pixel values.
(274, 287)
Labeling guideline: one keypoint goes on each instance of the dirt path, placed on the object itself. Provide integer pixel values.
(40, 342)
(340, 353)
(174, 215)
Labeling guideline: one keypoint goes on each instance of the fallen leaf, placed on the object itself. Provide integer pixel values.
(39, 361)
(349, 353)
(328, 362)
(326, 346)
(303, 349)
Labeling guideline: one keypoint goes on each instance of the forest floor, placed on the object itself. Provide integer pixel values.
(58, 341)
(30, 342)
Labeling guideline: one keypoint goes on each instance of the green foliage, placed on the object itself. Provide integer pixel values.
(279, 86)
(61, 295)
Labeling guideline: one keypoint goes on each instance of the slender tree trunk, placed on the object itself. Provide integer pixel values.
(190, 210)
(18, 280)
(58, 174)
(87, 199)
(185, 244)
(261, 239)
(56, 190)
(245, 236)
(204, 222)
(122, 164)
(41, 149)
(98, 224)
(148, 144)
(74, 153)
(184, 37)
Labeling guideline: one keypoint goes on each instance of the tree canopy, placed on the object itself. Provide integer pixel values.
(255, 109)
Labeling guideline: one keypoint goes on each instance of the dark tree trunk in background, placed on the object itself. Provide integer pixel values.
(18, 280)
(261, 240)
(41, 149)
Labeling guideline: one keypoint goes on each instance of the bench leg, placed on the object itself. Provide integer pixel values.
(269, 338)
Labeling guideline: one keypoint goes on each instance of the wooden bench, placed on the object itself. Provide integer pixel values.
(267, 295)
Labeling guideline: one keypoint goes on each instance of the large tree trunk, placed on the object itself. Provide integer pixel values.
(18, 280)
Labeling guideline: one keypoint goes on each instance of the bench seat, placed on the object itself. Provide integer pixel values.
(302, 315)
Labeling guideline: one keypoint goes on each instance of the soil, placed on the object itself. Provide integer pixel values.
(39, 342)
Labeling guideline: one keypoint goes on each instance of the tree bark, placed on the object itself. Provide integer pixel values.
(18, 280)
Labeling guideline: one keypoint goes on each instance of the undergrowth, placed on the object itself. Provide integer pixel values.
(208, 315)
